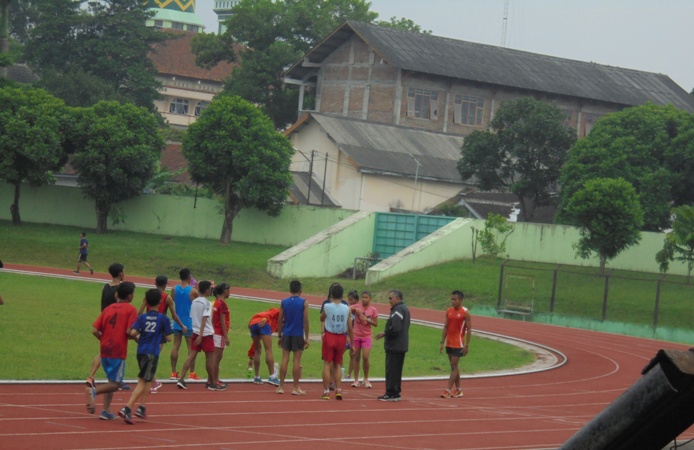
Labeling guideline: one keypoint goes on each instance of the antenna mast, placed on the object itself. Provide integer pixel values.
(504, 23)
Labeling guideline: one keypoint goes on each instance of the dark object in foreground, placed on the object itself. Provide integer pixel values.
(650, 414)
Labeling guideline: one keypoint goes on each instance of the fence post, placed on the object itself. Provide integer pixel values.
(501, 284)
(554, 289)
(657, 304)
(604, 297)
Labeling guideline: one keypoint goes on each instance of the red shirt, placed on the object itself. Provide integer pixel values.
(455, 334)
(163, 306)
(113, 324)
(272, 315)
(218, 308)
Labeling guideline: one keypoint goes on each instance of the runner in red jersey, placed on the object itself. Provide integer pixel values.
(457, 330)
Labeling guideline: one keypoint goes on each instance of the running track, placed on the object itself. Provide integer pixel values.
(527, 411)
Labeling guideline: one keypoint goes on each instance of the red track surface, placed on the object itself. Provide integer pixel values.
(532, 411)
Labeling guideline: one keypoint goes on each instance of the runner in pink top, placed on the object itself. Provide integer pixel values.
(365, 318)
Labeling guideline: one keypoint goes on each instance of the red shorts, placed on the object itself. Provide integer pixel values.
(206, 345)
(334, 347)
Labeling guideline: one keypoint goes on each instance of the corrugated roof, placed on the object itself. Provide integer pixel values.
(504, 67)
(395, 150)
(299, 191)
(175, 57)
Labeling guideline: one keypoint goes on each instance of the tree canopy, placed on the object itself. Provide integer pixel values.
(679, 243)
(609, 216)
(91, 53)
(523, 153)
(234, 149)
(270, 36)
(117, 148)
(31, 138)
(650, 146)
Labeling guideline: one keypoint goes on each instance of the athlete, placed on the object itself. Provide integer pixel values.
(456, 327)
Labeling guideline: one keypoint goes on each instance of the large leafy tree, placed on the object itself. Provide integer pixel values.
(234, 150)
(31, 122)
(650, 146)
(90, 51)
(117, 149)
(270, 36)
(523, 153)
(609, 216)
(679, 243)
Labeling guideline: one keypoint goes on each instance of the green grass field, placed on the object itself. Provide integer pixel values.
(579, 295)
(45, 330)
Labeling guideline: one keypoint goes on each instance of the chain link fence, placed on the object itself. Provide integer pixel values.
(619, 296)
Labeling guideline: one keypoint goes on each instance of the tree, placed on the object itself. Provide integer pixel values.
(495, 227)
(270, 37)
(524, 152)
(89, 54)
(650, 146)
(117, 148)
(402, 24)
(234, 150)
(679, 243)
(30, 139)
(608, 213)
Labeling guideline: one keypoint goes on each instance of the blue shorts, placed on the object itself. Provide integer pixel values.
(188, 333)
(114, 368)
(257, 330)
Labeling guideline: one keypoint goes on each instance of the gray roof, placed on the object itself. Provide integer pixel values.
(504, 67)
(21, 73)
(394, 150)
(299, 191)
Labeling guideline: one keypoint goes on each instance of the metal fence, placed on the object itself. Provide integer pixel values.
(582, 292)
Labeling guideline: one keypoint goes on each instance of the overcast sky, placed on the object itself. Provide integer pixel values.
(649, 35)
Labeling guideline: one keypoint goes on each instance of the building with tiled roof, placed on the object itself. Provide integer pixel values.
(370, 95)
(187, 89)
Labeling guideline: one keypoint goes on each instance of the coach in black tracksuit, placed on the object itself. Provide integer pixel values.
(397, 337)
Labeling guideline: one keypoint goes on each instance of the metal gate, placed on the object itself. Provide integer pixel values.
(395, 232)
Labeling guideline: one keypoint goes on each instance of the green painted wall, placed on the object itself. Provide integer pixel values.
(528, 242)
(329, 252)
(334, 250)
(448, 243)
(169, 215)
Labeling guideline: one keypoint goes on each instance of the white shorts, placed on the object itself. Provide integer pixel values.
(219, 341)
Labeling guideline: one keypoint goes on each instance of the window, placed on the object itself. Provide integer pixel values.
(179, 106)
(200, 107)
(468, 109)
(422, 103)
(159, 23)
(193, 28)
(177, 25)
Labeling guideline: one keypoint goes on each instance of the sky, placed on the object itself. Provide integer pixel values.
(649, 35)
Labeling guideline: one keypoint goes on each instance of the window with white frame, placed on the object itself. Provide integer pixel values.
(422, 103)
(178, 106)
(177, 25)
(200, 107)
(468, 109)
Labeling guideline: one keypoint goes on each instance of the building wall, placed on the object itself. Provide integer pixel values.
(194, 91)
(357, 191)
(355, 82)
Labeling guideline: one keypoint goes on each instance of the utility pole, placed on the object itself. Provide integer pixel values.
(416, 174)
(310, 177)
(4, 33)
